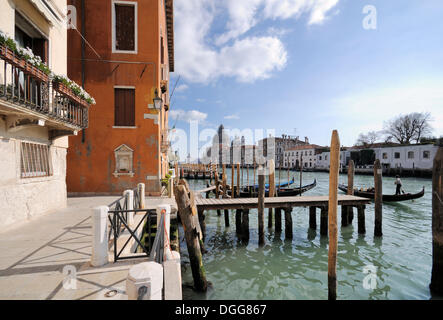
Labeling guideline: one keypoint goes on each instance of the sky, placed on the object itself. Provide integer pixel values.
(305, 67)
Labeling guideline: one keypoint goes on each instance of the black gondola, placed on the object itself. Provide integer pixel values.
(282, 192)
(386, 197)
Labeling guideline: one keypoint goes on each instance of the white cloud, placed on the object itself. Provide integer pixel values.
(232, 117)
(181, 88)
(285, 9)
(242, 17)
(246, 59)
(188, 116)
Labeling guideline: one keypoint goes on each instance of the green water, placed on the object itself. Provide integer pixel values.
(297, 269)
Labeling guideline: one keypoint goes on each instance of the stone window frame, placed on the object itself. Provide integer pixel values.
(426, 154)
(117, 153)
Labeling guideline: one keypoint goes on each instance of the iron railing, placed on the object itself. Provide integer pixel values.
(119, 221)
(118, 218)
(26, 86)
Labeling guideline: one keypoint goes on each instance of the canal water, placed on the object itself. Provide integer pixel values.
(297, 269)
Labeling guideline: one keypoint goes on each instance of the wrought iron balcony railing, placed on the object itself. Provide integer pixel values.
(25, 86)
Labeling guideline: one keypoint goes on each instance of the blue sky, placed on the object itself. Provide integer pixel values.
(306, 67)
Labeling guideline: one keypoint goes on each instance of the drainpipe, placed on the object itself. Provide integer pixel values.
(83, 56)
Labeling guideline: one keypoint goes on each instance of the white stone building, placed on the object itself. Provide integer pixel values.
(36, 116)
(407, 157)
(305, 154)
(322, 159)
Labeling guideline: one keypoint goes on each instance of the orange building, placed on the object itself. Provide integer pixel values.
(121, 52)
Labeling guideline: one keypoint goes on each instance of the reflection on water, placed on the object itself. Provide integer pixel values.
(297, 269)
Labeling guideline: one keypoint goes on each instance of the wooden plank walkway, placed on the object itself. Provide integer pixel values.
(277, 202)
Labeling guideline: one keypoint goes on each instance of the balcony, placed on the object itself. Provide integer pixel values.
(28, 97)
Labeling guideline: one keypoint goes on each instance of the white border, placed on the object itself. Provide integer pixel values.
(130, 3)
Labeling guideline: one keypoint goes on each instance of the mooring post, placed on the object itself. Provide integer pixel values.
(288, 223)
(361, 219)
(186, 211)
(245, 225)
(344, 216)
(313, 218)
(378, 199)
(232, 180)
(277, 220)
(436, 285)
(224, 197)
(261, 206)
(324, 221)
(351, 170)
(271, 189)
(238, 226)
(217, 191)
(332, 213)
(238, 180)
(301, 171)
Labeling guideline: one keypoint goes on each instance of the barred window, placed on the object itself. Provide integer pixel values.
(35, 160)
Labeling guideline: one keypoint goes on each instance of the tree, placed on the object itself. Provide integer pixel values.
(367, 139)
(407, 128)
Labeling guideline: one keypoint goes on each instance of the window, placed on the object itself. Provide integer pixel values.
(426, 154)
(124, 26)
(319, 157)
(385, 155)
(397, 155)
(34, 160)
(124, 107)
(27, 35)
(411, 155)
(326, 157)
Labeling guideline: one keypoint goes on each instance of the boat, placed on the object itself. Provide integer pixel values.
(284, 184)
(281, 192)
(386, 197)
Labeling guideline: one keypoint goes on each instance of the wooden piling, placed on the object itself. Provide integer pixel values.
(186, 211)
(436, 285)
(351, 170)
(324, 221)
(224, 197)
(261, 207)
(245, 225)
(277, 220)
(271, 189)
(232, 181)
(201, 219)
(332, 214)
(288, 223)
(301, 172)
(378, 199)
(238, 180)
(238, 225)
(217, 190)
(312, 218)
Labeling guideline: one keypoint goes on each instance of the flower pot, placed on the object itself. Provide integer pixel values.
(36, 72)
(63, 89)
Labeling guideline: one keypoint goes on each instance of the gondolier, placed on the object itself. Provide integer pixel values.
(399, 190)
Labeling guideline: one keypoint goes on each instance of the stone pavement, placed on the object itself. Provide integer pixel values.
(40, 258)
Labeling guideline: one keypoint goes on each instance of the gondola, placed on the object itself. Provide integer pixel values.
(386, 197)
(282, 192)
(284, 184)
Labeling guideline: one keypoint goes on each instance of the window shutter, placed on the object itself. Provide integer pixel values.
(125, 27)
(124, 107)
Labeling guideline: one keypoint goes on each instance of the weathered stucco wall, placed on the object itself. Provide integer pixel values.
(24, 199)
